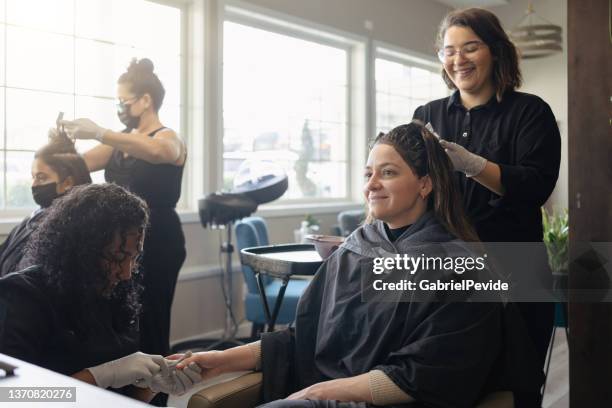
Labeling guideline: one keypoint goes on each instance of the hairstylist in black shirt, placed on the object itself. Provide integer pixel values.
(505, 145)
(148, 159)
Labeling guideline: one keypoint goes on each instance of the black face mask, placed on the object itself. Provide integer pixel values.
(123, 111)
(45, 194)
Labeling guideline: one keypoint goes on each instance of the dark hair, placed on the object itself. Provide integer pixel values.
(71, 242)
(421, 150)
(142, 80)
(506, 72)
(62, 157)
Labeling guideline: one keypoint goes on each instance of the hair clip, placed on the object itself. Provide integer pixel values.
(61, 132)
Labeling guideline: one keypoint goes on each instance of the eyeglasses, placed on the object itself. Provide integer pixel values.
(467, 50)
(126, 101)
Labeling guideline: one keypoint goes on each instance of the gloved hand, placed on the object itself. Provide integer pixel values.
(136, 367)
(463, 160)
(177, 382)
(83, 129)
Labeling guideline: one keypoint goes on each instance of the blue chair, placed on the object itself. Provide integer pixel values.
(251, 232)
(350, 220)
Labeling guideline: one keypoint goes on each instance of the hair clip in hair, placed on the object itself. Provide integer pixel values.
(61, 132)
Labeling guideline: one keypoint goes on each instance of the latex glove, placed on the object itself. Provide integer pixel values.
(463, 160)
(167, 365)
(178, 382)
(127, 370)
(83, 129)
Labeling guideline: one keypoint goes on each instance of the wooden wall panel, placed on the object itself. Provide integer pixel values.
(590, 192)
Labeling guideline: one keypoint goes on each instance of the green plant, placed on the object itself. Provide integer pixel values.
(312, 221)
(556, 233)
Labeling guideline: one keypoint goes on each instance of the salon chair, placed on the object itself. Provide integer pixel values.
(252, 232)
(245, 392)
(349, 220)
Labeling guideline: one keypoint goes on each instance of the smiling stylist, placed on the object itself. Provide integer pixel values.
(505, 145)
(148, 159)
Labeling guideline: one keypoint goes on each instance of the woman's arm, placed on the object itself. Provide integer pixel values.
(85, 376)
(490, 177)
(98, 157)
(214, 363)
(356, 389)
(164, 147)
(374, 387)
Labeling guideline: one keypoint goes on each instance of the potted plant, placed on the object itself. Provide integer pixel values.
(556, 234)
(310, 225)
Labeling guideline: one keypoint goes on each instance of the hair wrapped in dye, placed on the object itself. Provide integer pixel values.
(422, 151)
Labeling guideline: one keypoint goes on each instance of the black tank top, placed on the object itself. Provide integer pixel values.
(158, 184)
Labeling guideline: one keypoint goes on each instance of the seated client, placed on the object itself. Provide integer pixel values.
(56, 168)
(348, 352)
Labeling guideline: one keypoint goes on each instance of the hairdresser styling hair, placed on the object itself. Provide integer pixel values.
(504, 144)
(56, 168)
(148, 159)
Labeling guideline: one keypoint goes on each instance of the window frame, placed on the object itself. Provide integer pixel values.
(201, 119)
(10, 217)
(294, 27)
(399, 55)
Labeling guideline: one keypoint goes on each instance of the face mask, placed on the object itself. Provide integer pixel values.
(45, 194)
(123, 111)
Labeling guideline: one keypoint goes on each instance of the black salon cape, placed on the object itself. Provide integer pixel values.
(11, 250)
(34, 326)
(442, 354)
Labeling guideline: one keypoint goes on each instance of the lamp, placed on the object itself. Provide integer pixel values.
(536, 37)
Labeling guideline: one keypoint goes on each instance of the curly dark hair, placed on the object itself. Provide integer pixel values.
(71, 242)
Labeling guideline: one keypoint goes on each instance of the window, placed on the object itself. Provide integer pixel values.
(285, 99)
(66, 56)
(403, 83)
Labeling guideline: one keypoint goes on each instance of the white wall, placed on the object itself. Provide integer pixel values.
(546, 77)
(411, 24)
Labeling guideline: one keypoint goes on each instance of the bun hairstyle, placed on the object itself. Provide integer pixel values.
(142, 80)
(421, 150)
(61, 155)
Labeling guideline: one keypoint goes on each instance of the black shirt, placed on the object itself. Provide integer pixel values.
(394, 233)
(11, 250)
(35, 327)
(519, 134)
(158, 184)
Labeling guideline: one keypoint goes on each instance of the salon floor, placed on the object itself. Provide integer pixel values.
(557, 386)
